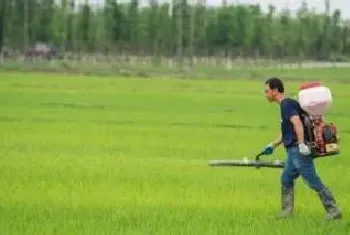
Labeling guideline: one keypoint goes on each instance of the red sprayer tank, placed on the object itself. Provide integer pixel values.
(315, 99)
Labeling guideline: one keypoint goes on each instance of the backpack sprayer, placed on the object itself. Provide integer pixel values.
(320, 136)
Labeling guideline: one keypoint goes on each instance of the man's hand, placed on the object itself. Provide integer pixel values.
(304, 149)
(268, 150)
(271, 147)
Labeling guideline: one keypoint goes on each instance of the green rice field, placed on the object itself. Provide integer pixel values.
(114, 155)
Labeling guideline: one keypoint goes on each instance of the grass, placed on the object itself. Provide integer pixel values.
(104, 155)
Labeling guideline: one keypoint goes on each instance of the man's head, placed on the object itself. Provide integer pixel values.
(274, 90)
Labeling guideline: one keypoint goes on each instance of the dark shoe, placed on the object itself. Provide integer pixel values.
(328, 201)
(287, 202)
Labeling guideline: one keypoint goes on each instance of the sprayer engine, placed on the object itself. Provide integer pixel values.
(321, 136)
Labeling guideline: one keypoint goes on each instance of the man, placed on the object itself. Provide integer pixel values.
(299, 160)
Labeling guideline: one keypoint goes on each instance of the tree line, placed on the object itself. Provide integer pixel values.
(174, 28)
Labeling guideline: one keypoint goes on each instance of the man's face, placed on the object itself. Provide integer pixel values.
(270, 94)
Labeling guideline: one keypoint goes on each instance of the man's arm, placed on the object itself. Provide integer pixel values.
(298, 127)
(277, 142)
(290, 113)
(299, 130)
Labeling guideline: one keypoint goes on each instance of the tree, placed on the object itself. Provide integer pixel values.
(174, 28)
(2, 24)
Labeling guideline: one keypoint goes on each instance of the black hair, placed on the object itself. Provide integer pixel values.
(275, 83)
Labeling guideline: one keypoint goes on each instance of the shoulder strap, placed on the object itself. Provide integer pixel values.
(307, 121)
(302, 112)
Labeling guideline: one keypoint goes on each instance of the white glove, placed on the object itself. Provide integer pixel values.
(304, 149)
